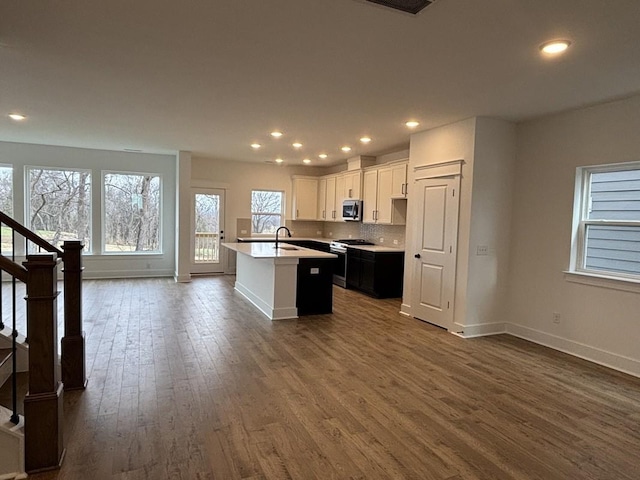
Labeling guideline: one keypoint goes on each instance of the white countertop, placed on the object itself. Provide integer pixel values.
(377, 248)
(268, 250)
(368, 248)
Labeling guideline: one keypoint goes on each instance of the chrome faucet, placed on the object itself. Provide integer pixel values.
(278, 231)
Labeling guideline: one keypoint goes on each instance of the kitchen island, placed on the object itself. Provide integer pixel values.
(285, 282)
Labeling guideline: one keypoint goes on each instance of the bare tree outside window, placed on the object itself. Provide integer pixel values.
(131, 212)
(266, 211)
(6, 204)
(60, 204)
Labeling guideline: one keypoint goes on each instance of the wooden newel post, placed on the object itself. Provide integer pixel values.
(43, 404)
(73, 348)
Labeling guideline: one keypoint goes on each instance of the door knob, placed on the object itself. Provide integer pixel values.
(417, 255)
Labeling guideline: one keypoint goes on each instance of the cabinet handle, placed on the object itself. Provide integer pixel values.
(324, 214)
(297, 213)
(350, 193)
(406, 189)
(333, 214)
(402, 189)
(417, 255)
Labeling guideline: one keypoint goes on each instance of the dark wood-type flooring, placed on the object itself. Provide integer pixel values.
(189, 381)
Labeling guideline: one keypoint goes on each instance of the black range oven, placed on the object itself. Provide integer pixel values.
(339, 248)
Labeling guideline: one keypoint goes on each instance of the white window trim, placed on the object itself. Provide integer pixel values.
(103, 242)
(577, 273)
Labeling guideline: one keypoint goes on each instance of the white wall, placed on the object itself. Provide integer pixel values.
(487, 147)
(494, 161)
(97, 265)
(450, 142)
(597, 323)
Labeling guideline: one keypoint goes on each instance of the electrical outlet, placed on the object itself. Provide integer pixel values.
(482, 250)
(350, 236)
(331, 234)
(556, 317)
(381, 239)
(318, 232)
(243, 232)
(395, 242)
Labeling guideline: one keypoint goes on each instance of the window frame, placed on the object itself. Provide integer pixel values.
(281, 214)
(581, 222)
(103, 239)
(27, 198)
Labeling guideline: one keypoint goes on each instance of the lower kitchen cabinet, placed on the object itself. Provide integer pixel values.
(314, 290)
(378, 274)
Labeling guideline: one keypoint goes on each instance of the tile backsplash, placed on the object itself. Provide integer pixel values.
(378, 234)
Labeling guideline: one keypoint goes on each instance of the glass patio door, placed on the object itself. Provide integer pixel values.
(207, 230)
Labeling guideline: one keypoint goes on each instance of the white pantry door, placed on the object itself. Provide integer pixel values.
(207, 230)
(435, 258)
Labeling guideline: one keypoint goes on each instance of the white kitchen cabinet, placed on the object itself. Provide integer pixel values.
(321, 213)
(305, 198)
(369, 196)
(330, 203)
(352, 183)
(380, 203)
(399, 180)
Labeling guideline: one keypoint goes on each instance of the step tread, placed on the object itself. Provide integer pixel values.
(23, 387)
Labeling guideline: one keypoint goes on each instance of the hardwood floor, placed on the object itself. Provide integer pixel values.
(189, 381)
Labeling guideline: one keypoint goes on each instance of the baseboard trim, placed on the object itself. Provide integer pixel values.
(601, 357)
(405, 310)
(114, 274)
(272, 313)
(479, 330)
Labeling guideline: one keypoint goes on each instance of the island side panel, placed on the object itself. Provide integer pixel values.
(256, 279)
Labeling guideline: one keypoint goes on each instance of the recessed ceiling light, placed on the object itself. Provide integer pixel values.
(276, 134)
(18, 117)
(255, 146)
(296, 145)
(346, 149)
(323, 156)
(365, 139)
(279, 160)
(306, 160)
(554, 47)
(412, 124)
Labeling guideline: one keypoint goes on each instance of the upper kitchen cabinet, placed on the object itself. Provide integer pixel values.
(321, 213)
(352, 182)
(384, 195)
(399, 185)
(305, 198)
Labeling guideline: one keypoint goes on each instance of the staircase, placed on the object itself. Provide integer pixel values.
(33, 374)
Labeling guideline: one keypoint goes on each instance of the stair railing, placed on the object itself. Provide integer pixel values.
(43, 404)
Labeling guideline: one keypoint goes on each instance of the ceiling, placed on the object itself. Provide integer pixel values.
(213, 77)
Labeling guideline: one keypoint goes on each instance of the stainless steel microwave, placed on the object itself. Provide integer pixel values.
(352, 210)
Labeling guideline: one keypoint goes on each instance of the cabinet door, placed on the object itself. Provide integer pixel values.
(321, 214)
(368, 273)
(340, 194)
(352, 183)
(330, 205)
(385, 176)
(305, 198)
(369, 196)
(399, 181)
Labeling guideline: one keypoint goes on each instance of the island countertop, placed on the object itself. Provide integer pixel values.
(268, 250)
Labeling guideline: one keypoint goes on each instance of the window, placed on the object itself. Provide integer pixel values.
(131, 213)
(59, 204)
(266, 211)
(607, 236)
(6, 205)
